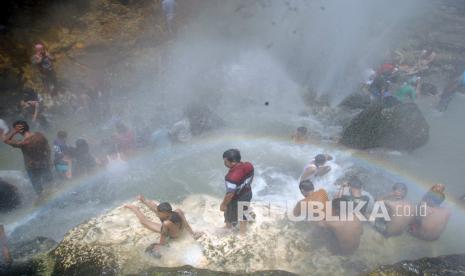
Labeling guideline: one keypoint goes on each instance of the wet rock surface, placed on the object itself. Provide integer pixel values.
(402, 127)
(443, 265)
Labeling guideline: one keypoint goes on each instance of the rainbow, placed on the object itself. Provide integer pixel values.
(360, 157)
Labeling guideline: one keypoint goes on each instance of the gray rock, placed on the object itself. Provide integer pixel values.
(401, 127)
(443, 265)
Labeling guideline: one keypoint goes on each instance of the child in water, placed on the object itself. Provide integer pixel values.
(172, 226)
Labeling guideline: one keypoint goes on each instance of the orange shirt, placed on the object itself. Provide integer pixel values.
(318, 196)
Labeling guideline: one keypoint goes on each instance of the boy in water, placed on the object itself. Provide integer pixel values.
(430, 226)
(308, 191)
(400, 212)
(317, 167)
(238, 182)
(172, 224)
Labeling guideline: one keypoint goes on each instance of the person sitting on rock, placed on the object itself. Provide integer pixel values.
(316, 167)
(346, 233)
(400, 212)
(429, 225)
(300, 136)
(173, 223)
(409, 91)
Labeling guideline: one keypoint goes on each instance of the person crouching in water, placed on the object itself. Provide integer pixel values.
(308, 191)
(401, 212)
(173, 223)
(346, 233)
(432, 220)
(238, 182)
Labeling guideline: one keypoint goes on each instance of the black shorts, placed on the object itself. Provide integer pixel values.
(231, 213)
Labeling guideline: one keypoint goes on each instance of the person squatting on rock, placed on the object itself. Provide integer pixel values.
(238, 182)
(36, 154)
(172, 225)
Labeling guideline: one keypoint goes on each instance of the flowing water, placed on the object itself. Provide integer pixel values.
(237, 79)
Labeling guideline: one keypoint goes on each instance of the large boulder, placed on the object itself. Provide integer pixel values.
(401, 127)
(9, 196)
(442, 265)
(356, 101)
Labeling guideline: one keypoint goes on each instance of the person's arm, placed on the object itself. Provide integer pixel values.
(323, 170)
(227, 198)
(328, 157)
(9, 139)
(298, 208)
(4, 245)
(152, 204)
(340, 192)
(309, 171)
(164, 233)
(187, 226)
(36, 111)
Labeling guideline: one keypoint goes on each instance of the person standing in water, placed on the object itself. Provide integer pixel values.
(429, 226)
(36, 153)
(317, 167)
(238, 182)
(400, 212)
(173, 223)
(301, 135)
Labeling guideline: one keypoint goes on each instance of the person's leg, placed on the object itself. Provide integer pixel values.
(156, 227)
(34, 177)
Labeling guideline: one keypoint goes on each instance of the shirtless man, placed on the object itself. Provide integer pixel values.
(317, 167)
(172, 222)
(346, 233)
(400, 212)
(36, 153)
(431, 226)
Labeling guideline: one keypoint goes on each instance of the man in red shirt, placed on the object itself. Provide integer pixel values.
(238, 182)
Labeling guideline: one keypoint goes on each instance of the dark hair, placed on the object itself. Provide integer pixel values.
(320, 159)
(302, 130)
(232, 155)
(21, 123)
(399, 186)
(434, 198)
(62, 134)
(355, 182)
(164, 207)
(306, 186)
